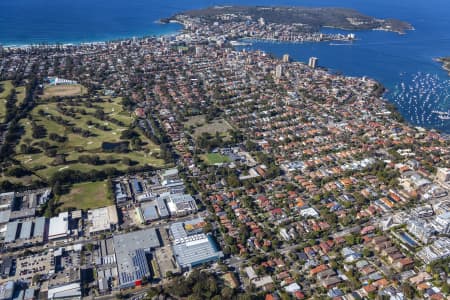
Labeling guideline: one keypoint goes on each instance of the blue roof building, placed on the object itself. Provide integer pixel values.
(39, 227)
(195, 250)
(149, 212)
(136, 185)
(192, 248)
(11, 232)
(121, 195)
(25, 232)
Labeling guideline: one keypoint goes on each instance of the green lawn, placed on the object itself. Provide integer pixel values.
(202, 126)
(76, 145)
(195, 121)
(215, 158)
(86, 196)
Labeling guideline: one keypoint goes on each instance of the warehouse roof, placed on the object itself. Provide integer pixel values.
(11, 232)
(195, 250)
(25, 232)
(130, 253)
(59, 226)
(39, 227)
(101, 219)
(4, 216)
(72, 290)
(149, 212)
(162, 208)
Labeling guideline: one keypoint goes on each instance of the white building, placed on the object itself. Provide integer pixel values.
(442, 223)
(102, 219)
(443, 175)
(438, 250)
(278, 71)
(68, 291)
(181, 204)
(313, 62)
(309, 212)
(59, 226)
(420, 229)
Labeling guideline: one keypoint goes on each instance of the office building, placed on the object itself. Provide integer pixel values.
(313, 62)
(278, 71)
(181, 204)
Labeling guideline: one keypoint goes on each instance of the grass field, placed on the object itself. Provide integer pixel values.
(76, 144)
(195, 121)
(7, 87)
(86, 196)
(215, 158)
(201, 126)
(20, 92)
(63, 90)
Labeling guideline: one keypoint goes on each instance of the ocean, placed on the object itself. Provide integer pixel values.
(416, 83)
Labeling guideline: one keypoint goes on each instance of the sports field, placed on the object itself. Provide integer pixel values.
(63, 91)
(215, 158)
(86, 196)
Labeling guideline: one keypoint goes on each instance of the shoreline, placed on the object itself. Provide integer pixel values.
(54, 44)
(445, 63)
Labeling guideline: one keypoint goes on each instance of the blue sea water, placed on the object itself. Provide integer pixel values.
(416, 84)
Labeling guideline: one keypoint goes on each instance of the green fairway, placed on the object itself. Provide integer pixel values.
(7, 87)
(215, 158)
(86, 196)
(82, 114)
(20, 92)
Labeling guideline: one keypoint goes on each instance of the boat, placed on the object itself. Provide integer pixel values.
(238, 43)
(438, 112)
(337, 44)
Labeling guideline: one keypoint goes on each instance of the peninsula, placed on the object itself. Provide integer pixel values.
(294, 20)
(445, 61)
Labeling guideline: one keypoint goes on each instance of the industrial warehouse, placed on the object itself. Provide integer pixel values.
(191, 247)
(154, 229)
(131, 255)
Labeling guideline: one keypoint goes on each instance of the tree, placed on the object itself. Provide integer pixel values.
(89, 247)
(408, 290)
(208, 228)
(57, 188)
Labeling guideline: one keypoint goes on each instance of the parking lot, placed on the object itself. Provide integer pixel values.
(28, 266)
